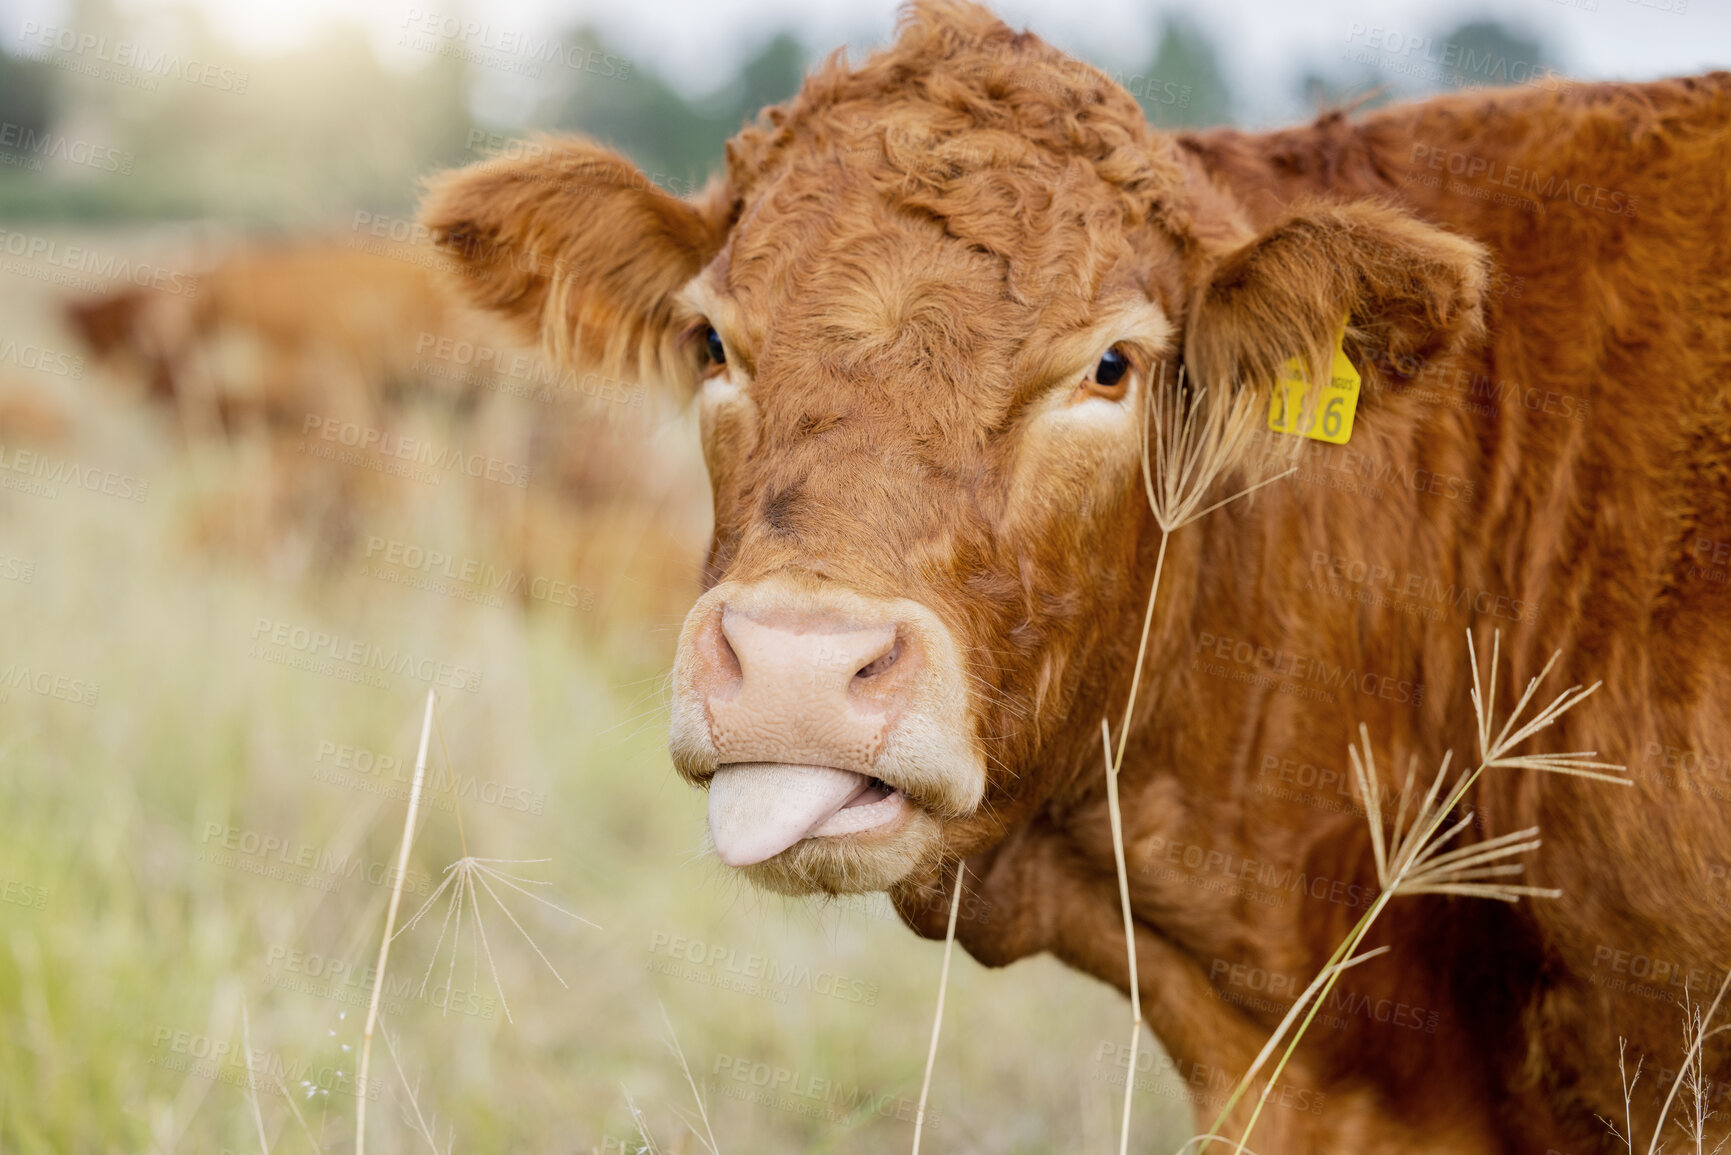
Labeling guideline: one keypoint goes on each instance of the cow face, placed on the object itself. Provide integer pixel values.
(134, 331)
(921, 317)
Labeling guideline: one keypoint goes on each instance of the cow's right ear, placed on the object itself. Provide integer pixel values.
(581, 252)
(1409, 290)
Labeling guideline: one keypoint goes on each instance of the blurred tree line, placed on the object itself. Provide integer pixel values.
(318, 133)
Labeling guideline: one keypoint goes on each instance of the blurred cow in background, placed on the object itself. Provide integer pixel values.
(273, 333)
(345, 389)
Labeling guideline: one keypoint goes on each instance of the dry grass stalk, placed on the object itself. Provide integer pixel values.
(1129, 931)
(707, 1136)
(390, 923)
(461, 879)
(282, 1087)
(1627, 1135)
(421, 1125)
(1693, 1077)
(1499, 752)
(1695, 1030)
(1694, 1074)
(251, 1079)
(1193, 444)
(938, 1016)
(649, 1147)
(1411, 859)
(1204, 1140)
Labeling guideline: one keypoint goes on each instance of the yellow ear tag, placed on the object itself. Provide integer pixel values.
(1331, 419)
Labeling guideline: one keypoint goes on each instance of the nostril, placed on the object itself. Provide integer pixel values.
(880, 663)
(729, 659)
(725, 672)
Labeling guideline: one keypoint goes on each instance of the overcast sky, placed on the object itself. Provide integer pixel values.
(1264, 43)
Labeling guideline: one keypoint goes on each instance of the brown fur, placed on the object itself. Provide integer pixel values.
(905, 260)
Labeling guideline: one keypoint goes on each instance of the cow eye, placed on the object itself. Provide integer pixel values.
(1111, 369)
(713, 346)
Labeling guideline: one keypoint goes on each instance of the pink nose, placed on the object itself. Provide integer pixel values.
(802, 689)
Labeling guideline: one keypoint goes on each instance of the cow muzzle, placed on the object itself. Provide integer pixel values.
(831, 728)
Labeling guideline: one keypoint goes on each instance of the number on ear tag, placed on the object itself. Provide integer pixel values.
(1331, 418)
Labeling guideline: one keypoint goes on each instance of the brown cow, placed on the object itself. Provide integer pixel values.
(921, 312)
(276, 332)
(299, 345)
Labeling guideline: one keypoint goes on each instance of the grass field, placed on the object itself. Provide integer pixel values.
(200, 805)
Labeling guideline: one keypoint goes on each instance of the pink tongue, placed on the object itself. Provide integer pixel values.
(759, 809)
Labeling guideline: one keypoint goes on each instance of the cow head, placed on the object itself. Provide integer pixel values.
(134, 331)
(921, 313)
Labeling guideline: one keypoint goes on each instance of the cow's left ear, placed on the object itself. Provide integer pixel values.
(1409, 291)
(577, 247)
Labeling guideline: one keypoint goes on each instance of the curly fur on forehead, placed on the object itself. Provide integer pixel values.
(1017, 150)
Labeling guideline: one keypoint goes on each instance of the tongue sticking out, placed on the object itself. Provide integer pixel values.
(759, 809)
